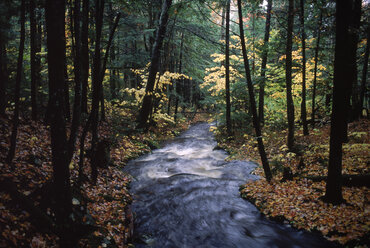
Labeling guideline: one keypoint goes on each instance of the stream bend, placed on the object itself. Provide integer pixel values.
(186, 195)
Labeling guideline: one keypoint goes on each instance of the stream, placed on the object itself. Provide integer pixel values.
(186, 195)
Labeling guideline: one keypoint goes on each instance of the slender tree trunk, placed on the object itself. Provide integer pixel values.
(364, 72)
(317, 48)
(223, 13)
(253, 17)
(15, 120)
(342, 81)
(264, 63)
(55, 25)
(303, 103)
(34, 67)
(112, 72)
(102, 105)
(77, 74)
(227, 67)
(39, 24)
(147, 104)
(105, 60)
(354, 31)
(256, 123)
(67, 106)
(288, 75)
(179, 80)
(84, 54)
(3, 77)
(96, 85)
(113, 82)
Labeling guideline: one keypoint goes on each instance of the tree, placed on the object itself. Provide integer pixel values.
(55, 26)
(364, 71)
(227, 70)
(252, 100)
(35, 60)
(147, 103)
(178, 84)
(343, 75)
(354, 32)
(288, 75)
(15, 120)
(6, 12)
(96, 84)
(3, 76)
(264, 63)
(77, 73)
(303, 103)
(317, 48)
(84, 54)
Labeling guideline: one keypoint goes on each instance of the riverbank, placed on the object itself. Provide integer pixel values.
(187, 195)
(105, 207)
(297, 201)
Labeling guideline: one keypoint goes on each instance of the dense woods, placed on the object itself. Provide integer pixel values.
(85, 86)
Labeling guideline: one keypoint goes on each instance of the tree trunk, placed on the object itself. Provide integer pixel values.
(177, 88)
(303, 103)
(354, 31)
(84, 54)
(77, 74)
(227, 67)
(3, 77)
(67, 106)
(104, 66)
(342, 82)
(288, 76)
(55, 25)
(147, 104)
(35, 69)
(112, 72)
(96, 84)
(252, 100)
(261, 102)
(223, 13)
(15, 120)
(317, 48)
(364, 72)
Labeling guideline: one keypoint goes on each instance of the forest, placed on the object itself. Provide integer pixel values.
(138, 123)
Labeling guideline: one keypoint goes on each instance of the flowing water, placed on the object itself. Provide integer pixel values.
(186, 195)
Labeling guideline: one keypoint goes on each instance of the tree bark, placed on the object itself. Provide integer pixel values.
(354, 31)
(3, 77)
(35, 69)
(177, 88)
(84, 54)
(261, 102)
(55, 25)
(303, 103)
(15, 120)
(364, 72)
(96, 84)
(147, 104)
(77, 74)
(342, 82)
(227, 69)
(252, 100)
(288, 76)
(105, 60)
(317, 48)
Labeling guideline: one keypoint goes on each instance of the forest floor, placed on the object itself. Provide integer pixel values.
(106, 205)
(297, 201)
